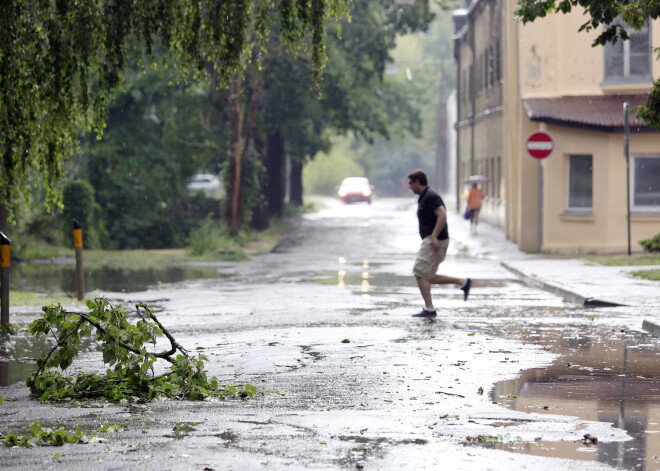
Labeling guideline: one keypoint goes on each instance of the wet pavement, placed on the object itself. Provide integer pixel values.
(511, 379)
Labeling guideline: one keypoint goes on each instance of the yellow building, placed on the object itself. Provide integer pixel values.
(515, 79)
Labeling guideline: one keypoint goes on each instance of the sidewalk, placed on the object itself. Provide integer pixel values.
(576, 280)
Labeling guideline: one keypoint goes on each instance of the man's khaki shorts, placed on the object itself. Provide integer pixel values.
(428, 259)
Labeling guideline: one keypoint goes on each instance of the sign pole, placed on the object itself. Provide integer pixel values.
(540, 198)
(5, 263)
(626, 153)
(540, 145)
(78, 246)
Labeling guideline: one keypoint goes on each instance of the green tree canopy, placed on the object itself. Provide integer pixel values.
(61, 63)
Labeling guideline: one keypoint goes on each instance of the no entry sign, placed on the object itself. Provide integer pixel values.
(540, 145)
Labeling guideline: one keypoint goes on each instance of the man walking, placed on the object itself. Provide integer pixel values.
(432, 216)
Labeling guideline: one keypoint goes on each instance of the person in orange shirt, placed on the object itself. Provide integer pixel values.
(474, 206)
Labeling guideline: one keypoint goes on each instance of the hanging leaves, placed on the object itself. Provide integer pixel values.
(61, 62)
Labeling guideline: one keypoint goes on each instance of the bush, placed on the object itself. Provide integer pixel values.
(652, 244)
(207, 238)
(80, 204)
(212, 239)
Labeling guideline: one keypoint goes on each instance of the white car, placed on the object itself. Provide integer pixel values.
(206, 183)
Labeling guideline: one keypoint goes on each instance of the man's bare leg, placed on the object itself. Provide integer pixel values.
(425, 290)
(445, 280)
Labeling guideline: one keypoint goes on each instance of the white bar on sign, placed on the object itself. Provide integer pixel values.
(539, 145)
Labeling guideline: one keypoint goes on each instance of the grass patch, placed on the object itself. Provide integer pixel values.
(212, 245)
(625, 260)
(31, 248)
(652, 275)
(140, 258)
(26, 298)
(212, 242)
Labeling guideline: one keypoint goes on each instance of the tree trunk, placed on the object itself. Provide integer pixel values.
(4, 225)
(296, 183)
(276, 169)
(260, 220)
(234, 193)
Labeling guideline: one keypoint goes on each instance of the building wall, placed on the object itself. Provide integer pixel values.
(605, 230)
(480, 116)
(556, 60)
(545, 59)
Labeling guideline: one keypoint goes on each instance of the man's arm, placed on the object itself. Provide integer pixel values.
(441, 214)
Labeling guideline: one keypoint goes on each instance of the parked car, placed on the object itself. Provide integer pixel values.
(354, 189)
(206, 183)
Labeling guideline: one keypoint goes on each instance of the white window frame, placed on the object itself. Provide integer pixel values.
(626, 77)
(579, 209)
(633, 168)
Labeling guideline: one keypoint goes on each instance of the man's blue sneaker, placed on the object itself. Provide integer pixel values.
(425, 313)
(466, 288)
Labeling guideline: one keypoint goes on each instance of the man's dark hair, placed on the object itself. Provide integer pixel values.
(418, 176)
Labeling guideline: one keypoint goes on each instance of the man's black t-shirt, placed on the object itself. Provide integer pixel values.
(427, 203)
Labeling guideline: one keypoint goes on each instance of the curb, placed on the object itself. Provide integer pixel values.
(653, 328)
(569, 296)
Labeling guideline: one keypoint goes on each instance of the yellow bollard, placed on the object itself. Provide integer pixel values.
(78, 246)
(5, 263)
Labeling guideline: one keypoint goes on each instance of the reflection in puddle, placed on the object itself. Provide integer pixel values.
(18, 356)
(61, 278)
(364, 282)
(17, 372)
(364, 276)
(601, 375)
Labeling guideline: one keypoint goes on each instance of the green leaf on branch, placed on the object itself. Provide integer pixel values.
(130, 365)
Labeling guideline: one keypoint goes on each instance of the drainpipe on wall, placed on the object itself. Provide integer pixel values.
(473, 90)
(459, 18)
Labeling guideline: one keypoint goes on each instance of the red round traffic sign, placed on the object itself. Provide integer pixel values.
(540, 145)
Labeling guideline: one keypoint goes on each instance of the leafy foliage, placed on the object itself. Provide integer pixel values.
(40, 436)
(8, 329)
(139, 177)
(62, 62)
(652, 244)
(650, 112)
(44, 436)
(79, 204)
(130, 372)
(600, 12)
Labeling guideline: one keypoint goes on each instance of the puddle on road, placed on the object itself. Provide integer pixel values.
(18, 354)
(367, 283)
(370, 448)
(17, 357)
(601, 375)
(62, 278)
(15, 372)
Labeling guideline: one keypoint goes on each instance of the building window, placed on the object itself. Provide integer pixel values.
(629, 60)
(646, 184)
(580, 178)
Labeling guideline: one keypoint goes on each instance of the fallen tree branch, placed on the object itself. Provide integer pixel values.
(122, 344)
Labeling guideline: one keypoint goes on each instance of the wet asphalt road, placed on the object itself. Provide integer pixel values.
(322, 326)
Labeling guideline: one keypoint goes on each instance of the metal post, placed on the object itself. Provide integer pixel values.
(78, 245)
(540, 204)
(5, 263)
(626, 152)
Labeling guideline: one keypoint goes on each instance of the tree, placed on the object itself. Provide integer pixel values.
(354, 97)
(604, 13)
(139, 176)
(61, 63)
